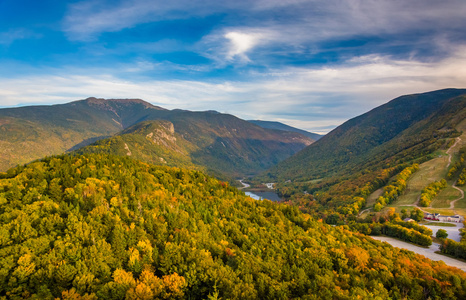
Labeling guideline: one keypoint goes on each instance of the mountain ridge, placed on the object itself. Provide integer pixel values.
(361, 154)
(29, 133)
(281, 126)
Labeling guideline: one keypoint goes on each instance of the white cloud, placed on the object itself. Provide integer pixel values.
(240, 43)
(311, 99)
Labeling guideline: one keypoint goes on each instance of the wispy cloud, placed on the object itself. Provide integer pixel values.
(12, 35)
(87, 19)
(294, 22)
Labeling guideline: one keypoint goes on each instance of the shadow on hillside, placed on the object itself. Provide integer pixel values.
(87, 142)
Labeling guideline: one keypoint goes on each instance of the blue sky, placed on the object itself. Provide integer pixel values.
(310, 64)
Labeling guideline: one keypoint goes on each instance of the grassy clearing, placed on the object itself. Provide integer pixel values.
(373, 197)
(444, 198)
(430, 171)
(461, 203)
(439, 224)
(445, 211)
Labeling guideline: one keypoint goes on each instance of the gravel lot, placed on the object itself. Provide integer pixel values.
(453, 232)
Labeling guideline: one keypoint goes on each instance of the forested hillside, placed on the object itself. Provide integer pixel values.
(356, 158)
(110, 227)
(32, 132)
(155, 142)
(221, 142)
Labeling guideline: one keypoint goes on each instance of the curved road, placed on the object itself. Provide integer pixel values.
(427, 252)
(452, 203)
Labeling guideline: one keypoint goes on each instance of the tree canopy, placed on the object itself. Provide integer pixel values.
(102, 226)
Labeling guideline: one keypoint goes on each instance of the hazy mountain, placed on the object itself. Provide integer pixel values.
(220, 141)
(281, 126)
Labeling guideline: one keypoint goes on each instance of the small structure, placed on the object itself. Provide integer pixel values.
(269, 185)
(408, 220)
(441, 218)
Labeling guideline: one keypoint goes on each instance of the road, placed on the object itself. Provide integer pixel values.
(245, 185)
(427, 252)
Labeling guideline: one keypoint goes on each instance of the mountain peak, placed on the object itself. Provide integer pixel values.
(120, 102)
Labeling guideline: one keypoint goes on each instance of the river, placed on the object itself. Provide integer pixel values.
(260, 195)
(264, 195)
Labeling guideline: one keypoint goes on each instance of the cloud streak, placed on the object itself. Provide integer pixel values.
(300, 22)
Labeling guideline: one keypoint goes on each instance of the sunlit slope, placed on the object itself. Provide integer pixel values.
(32, 132)
(112, 227)
(407, 118)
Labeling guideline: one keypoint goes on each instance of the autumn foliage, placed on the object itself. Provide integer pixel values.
(106, 227)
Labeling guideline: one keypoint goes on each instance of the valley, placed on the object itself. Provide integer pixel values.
(221, 144)
(243, 150)
(138, 208)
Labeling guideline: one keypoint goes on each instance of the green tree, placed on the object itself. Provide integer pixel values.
(441, 234)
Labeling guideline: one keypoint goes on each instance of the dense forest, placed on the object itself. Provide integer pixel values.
(102, 226)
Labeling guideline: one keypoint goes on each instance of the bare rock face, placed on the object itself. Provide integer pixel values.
(164, 135)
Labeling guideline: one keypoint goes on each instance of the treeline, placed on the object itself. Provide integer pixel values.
(412, 225)
(393, 226)
(454, 248)
(431, 191)
(393, 190)
(407, 234)
(100, 226)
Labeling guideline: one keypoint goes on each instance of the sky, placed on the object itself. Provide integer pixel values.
(312, 64)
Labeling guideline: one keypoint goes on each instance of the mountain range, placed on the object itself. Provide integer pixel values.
(219, 142)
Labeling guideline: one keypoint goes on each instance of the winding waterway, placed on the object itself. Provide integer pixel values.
(264, 195)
